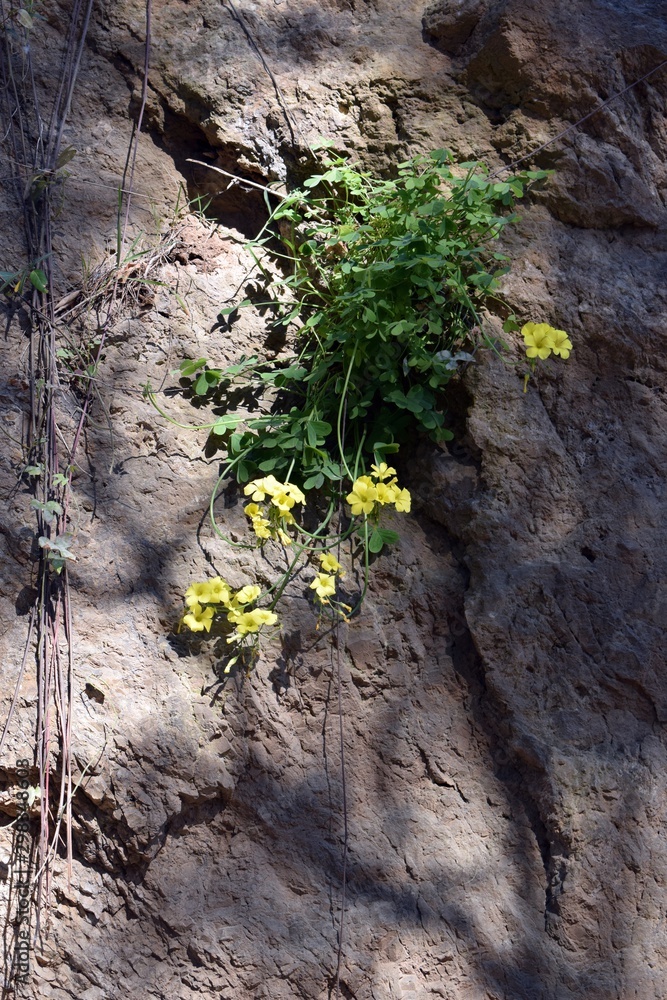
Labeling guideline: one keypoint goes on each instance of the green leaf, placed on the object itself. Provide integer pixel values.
(38, 281)
(311, 434)
(231, 309)
(416, 400)
(382, 448)
(389, 537)
(188, 368)
(314, 482)
(207, 380)
(66, 156)
(381, 537)
(431, 419)
(332, 472)
(280, 376)
(288, 317)
(242, 366)
(322, 143)
(317, 431)
(226, 423)
(48, 510)
(375, 542)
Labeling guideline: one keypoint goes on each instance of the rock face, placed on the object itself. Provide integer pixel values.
(524, 69)
(503, 692)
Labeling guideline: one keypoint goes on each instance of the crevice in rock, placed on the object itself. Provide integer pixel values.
(460, 400)
(221, 199)
(401, 133)
(517, 776)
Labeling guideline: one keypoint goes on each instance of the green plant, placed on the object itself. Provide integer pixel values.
(57, 550)
(386, 281)
(385, 287)
(49, 509)
(14, 282)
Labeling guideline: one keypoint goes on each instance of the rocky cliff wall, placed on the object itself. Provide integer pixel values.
(503, 692)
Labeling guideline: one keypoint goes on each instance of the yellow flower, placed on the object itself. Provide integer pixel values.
(250, 622)
(294, 492)
(403, 501)
(261, 527)
(286, 496)
(538, 340)
(324, 586)
(198, 593)
(383, 471)
(363, 496)
(283, 501)
(282, 496)
(198, 618)
(260, 487)
(387, 492)
(219, 591)
(261, 617)
(283, 536)
(541, 339)
(562, 344)
(279, 514)
(247, 594)
(235, 614)
(330, 564)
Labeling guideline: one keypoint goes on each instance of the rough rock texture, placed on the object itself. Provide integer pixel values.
(504, 692)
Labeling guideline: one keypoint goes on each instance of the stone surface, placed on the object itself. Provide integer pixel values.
(503, 692)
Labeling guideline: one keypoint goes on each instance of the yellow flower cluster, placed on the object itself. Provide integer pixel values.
(271, 522)
(369, 493)
(201, 598)
(541, 339)
(324, 583)
(249, 622)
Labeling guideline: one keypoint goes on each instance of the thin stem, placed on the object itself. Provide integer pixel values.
(214, 496)
(341, 409)
(240, 180)
(341, 738)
